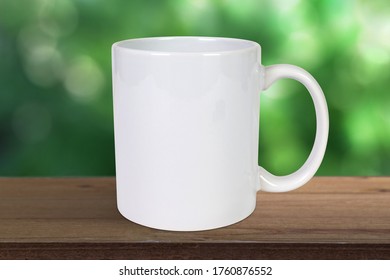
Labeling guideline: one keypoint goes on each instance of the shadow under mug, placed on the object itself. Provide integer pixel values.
(186, 116)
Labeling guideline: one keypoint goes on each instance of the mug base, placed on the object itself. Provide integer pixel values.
(187, 228)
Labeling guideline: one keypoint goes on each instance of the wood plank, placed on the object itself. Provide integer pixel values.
(330, 217)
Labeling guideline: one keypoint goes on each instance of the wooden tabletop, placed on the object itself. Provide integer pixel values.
(77, 218)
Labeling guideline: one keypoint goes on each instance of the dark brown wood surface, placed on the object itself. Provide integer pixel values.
(77, 218)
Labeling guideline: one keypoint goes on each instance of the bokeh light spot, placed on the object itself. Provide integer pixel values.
(84, 79)
(43, 63)
(362, 130)
(285, 7)
(57, 17)
(374, 40)
(305, 47)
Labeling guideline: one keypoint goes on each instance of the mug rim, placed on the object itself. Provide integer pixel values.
(130, 45)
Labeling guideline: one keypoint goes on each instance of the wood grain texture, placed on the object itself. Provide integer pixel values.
(77, 218)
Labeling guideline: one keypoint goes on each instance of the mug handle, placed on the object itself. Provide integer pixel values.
(272, 183)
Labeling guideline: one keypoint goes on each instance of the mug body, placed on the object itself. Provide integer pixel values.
(186, 115)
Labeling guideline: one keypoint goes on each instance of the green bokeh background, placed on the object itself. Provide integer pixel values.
(55, 78)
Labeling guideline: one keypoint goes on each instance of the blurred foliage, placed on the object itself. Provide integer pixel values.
(55, 78)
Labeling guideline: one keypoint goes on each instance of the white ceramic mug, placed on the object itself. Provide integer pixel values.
(186, 114)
